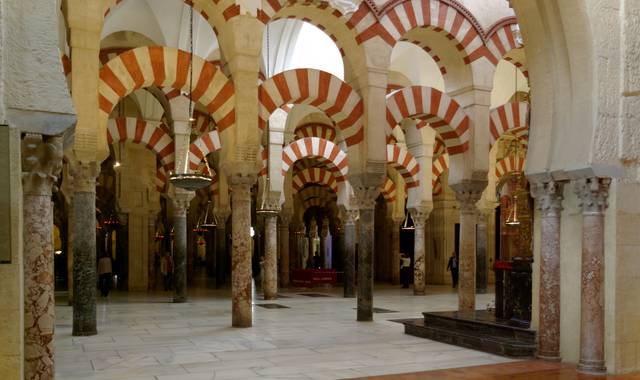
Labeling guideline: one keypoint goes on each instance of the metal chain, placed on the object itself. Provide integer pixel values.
(190, 60)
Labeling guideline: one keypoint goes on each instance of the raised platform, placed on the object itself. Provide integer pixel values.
(479, 331)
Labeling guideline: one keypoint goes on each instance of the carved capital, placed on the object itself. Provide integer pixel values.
(41, 163)
(349, 216)
(84, 176)
(420, 214)
(593, 194)
(365, 197)
(549, 197)
(181, 200)
(285, 217)
(468, 193)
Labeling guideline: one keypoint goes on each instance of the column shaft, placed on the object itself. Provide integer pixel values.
(395, 253)
(481, 254)
(349, 253)
(241, 253)
(365, 265)
(271, 257)
(284, 253)
(180, 255)
(221, 250)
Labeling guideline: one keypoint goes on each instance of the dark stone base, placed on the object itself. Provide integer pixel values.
(479, 331)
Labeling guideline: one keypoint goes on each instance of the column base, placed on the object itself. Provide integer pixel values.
(364, 318)
(592, 367)
(241, 324)
(349, 296)
(549, 356)
(481, 291)
(418, 292)
(178, 299)
(270, 298)
(84, 332)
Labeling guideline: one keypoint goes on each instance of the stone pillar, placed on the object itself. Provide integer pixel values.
(70, 251)
(241, 314)
(181, 200)
(285, 218)
(84, 247)
(467, 194)
(41, 164)
(481, 253)
(394, 225)
(366, 198)
(593, 193)
(549, 202)
(221, 247)
(151, 234)
(420, 216)
(349, 252)
(271, 257)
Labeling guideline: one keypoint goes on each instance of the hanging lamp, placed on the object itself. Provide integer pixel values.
(186, 180)
(209, 222)
(512, 218)
(408, 224)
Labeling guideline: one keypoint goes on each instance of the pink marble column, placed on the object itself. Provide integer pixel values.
(549, 202)
(285, 219)
(394, 225)
(593, 194)
(41, 164)
(420, 215)
(467, 193)
(241, 313)
(271, 257)
(181, 201)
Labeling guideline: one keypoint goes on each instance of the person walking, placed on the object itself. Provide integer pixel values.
(452, 266)
(105, 271)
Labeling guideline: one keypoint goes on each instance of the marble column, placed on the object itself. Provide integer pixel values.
(181, 200)
(84, 247)
(366, 199)
(549, 202)
(271, 257)
(70, 251)
(349, 253)
(467, 194)
(41, 164)
(394, 225)
(221, 247)
(420, 215)
(241, 314)
(151, 234)
(593, 194)
(481, 254)
(284, 249)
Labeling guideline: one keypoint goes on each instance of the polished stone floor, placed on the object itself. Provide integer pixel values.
(143, 336)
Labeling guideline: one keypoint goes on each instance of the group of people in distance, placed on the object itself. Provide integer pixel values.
(405, 269)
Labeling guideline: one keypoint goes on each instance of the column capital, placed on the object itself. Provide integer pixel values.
(468, 193)
(420, 214)
(365, 197)
(593, 193)
(84, 175)
(549, 196)
(41, 163)
(285, 217)
(349, 216)
(181, 200)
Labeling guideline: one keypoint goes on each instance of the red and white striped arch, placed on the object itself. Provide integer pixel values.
(439, 148)
(322, 192)
(138, 131)
(509, 165)
(437, 188)
(508, 117)
(264, 155)
(503, 39)
(319, 89)
(389, 190)
(167, 67)
(314, 175)
(203, 145)
(436, 58)
(329, 153)
(323, 131)
(442, 113)
(161, 179)
(439, 166)
(203, 123)
(400, 159)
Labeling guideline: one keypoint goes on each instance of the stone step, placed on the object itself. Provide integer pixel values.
(480, 322)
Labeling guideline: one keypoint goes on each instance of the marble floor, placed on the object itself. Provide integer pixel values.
(142, 336)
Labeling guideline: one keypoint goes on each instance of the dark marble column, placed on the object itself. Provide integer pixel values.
(481, 254)
(349, 252)
(84, 247)
(271, 257)
(420, 216)
(593, 194)
(366, 199)
(41, 164)
(285, 219)
(395, 250)
(549, 201)
(241, 313)
(467, 193)
(221, 247)
(181, 200)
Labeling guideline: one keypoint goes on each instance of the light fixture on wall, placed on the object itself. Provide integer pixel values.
(408, 224)
(512, 218)
(186, 180)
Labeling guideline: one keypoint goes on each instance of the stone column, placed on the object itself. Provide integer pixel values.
(349, 257)
(420, 216)
(467, 194)
(241, 252)
(549, 202)
(84, 247)
(593, 193)
(41, 164)
(394, 225)
(181, 200)
(151, 234)
(366, 199)
(481, 253)
(271, 257)
(221, 246)
(285, 218)
(70, 251)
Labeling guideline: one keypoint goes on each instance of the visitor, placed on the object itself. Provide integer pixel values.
(405, 270)
(104, 272)
(453, 267)
(166, 269)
